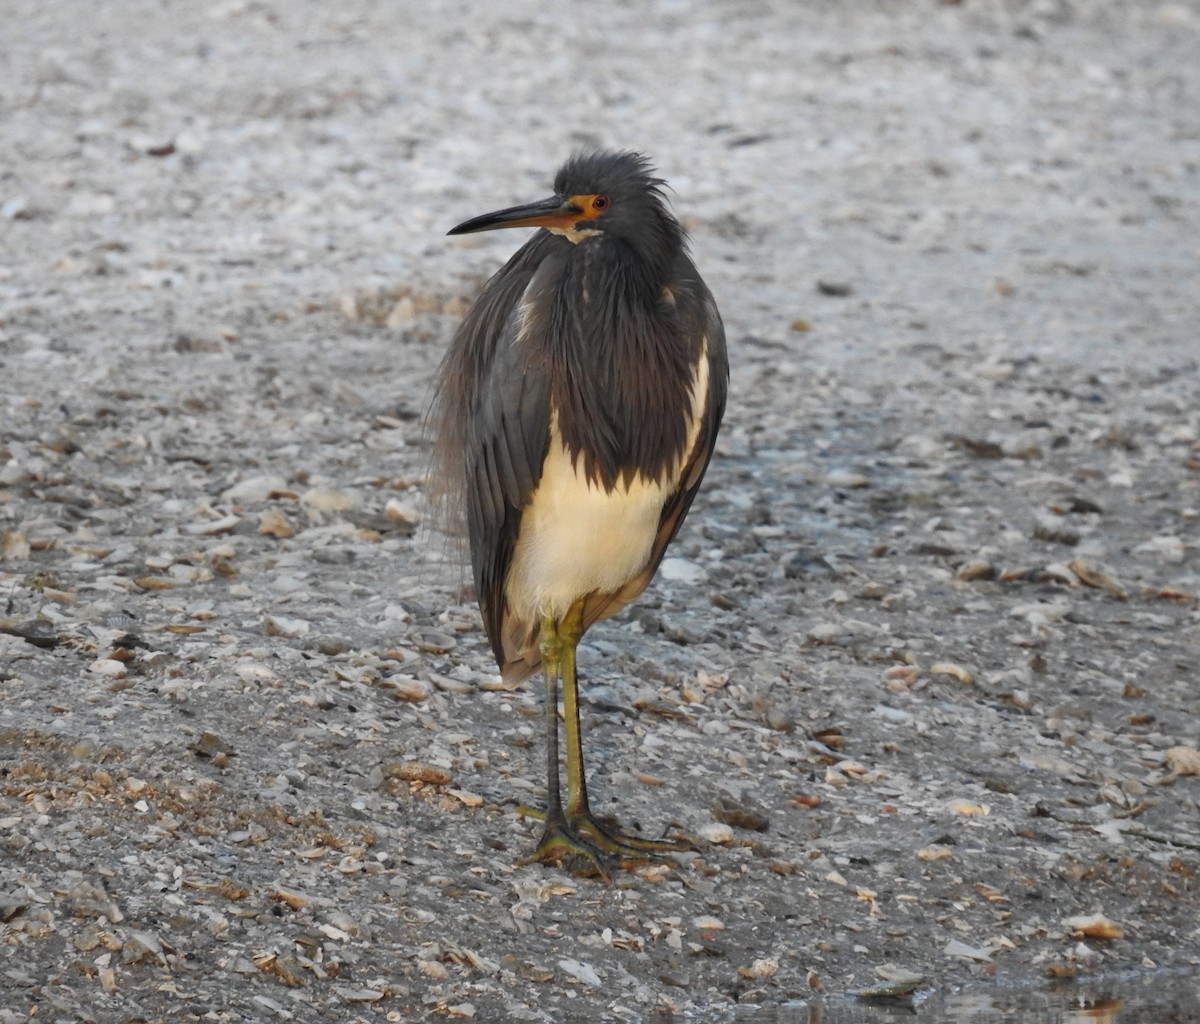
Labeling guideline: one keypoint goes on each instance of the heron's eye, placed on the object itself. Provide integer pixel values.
(599, 202)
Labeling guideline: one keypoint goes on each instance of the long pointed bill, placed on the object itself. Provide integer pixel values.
(545, 213)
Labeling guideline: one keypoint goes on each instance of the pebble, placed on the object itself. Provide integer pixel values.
(847, 478)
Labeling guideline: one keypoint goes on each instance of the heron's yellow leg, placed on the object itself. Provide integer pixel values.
(574, 833)
(560, 842)
(578, 814)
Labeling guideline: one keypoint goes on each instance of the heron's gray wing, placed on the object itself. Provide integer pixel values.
(702, 323)
(507, 423)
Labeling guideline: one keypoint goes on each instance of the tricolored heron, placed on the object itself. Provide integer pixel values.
(578, 406)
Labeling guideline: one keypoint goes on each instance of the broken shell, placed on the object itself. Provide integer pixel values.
(896, 982)
(293, 899)
(415, 771)
(155, 583)
(947, 668)
(401, 512)
(273, 523)
(762, 968)
(968, 808)
(1095, 927)
(278, 625)
(406, 688)
(434, 643)
(214, 526)
(976, 569)
(729, 811)
(1183, 761)
(327, 499)
(110, 667)
(716, 833)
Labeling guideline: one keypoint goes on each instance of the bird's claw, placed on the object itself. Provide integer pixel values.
(580, 839)
(561, 847)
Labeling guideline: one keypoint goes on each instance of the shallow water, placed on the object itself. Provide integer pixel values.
(1144, 998)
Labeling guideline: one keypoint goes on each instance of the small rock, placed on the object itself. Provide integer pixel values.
(764, 967)
(401, 512)
(897, 982)
(848, 479)
(1090, 576)
(374, 995)
(142, 947)
(431, 642)
(835, 289)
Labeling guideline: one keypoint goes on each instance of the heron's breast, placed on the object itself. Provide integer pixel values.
(577, 537)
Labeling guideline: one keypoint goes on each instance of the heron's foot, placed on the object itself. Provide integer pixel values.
(620, 844)
(582, 835)
(560, 846)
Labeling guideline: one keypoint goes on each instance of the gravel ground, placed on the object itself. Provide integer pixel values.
(921, 673)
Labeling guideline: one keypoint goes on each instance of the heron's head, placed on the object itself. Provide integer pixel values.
(609, 193)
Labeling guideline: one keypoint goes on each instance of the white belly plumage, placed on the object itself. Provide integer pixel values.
(577, 538)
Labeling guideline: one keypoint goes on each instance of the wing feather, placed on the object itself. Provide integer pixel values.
(600, 606)
(492, 415)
